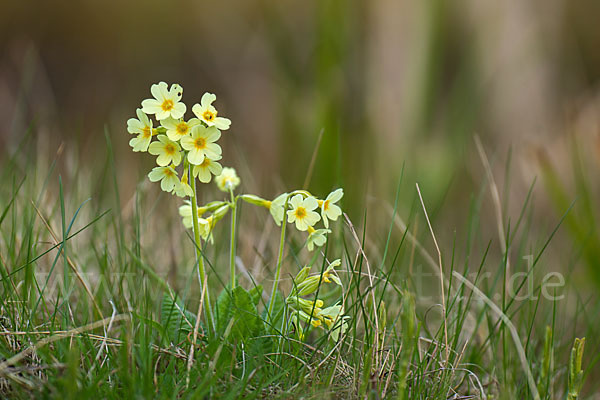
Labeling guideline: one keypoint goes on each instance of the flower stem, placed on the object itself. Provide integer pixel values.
(232, 240)
(279, 261)
(200, 256)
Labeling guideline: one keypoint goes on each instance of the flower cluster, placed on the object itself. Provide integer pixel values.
(305, 211)
(188, 149)
(312, 311)
(179, 141)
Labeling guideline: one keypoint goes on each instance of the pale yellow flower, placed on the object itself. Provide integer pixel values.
(302, 212)
(276, 208)
(166, 102)
(220, 209)
(186, 214)
(167, 177)
(167, 151)
(227, 180)
(330, 274)
(178, 128)
(183, 189)
(316, 237)
(335, 320)
(142, 126)
(207, 113)
(329, 210)
(205, 226)
(205, 170)
(201, 143)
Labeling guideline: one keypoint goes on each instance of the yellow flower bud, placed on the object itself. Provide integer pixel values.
(258, 201)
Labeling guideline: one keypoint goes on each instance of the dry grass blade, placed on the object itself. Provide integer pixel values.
(370, 276)
(70, 262)
(70, 333)
(497, 204)
(511, 328)
(313, 159)
(437, 247)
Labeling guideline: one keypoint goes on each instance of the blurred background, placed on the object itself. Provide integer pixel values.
(397, 88)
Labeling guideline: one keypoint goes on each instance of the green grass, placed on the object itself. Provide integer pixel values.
(99, 299)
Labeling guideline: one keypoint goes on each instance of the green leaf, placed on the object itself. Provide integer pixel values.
(177, 321)
(153, 325)
(256, 294)
(278, 307)
(247, 323)
(223, 310)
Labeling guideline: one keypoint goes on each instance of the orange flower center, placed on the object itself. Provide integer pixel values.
(300, 212)
(182, 128)
(209, 116)
(146, 132)
(168, 172)
(170, 149)
(167, 105)
(200, 143)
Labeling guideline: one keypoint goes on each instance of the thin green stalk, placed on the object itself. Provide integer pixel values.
(279, 261)
(232, 240)
(199, 255)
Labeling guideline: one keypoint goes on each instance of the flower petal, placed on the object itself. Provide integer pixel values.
(156, 148)
(176, 158)
(156, 174)
(310, 203)
(207, 99)
(134, 126)
(336, 195)
(212, 134)
(213, 150)
(296, 201)
(215, 167)
(222, 123)
(333, 212)
(195, 156)
(197, 110)
(151, 106)
(204, 175)
(178, 110)
(187, 142)
(159, 91)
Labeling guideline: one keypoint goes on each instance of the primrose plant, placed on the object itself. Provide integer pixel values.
(187, 151)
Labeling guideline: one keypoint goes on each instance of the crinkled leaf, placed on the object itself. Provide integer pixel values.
(256, 294)
(223, 310)
(177, 321)
(278, 307)
(247, 321)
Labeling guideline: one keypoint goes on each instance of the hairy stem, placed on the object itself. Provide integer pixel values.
(279, 261)
(200, 256)
(232, 240)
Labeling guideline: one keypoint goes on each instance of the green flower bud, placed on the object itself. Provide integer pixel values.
(302, 275)
(220, 212)
(308, 286)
